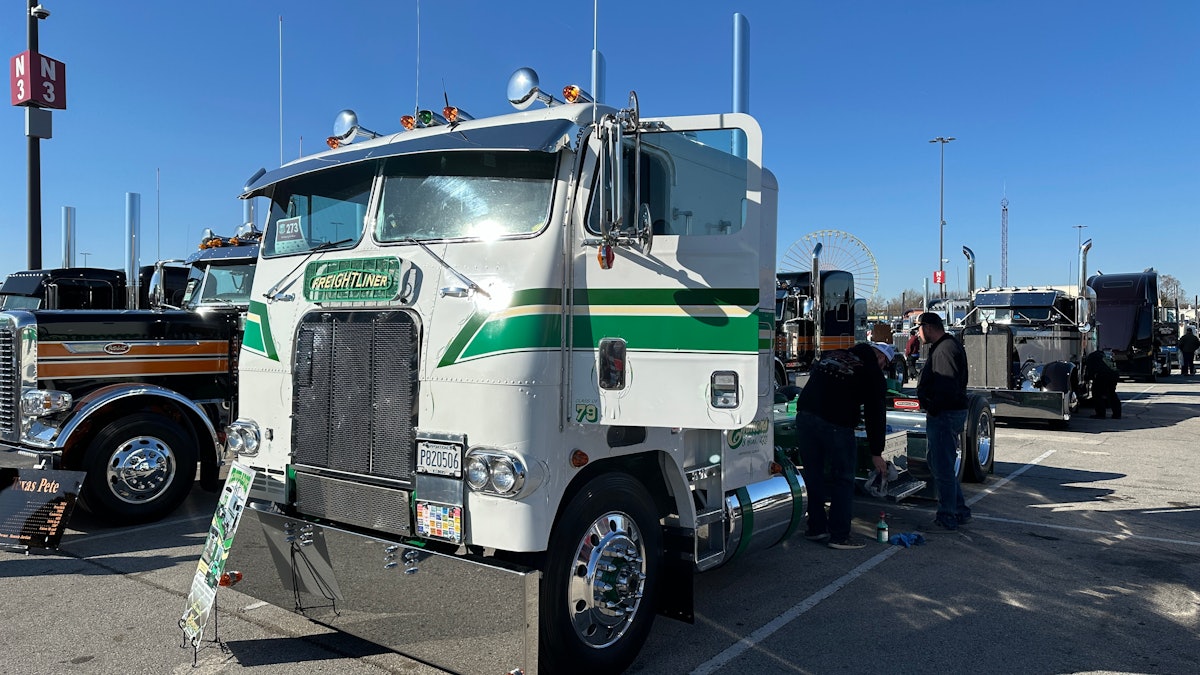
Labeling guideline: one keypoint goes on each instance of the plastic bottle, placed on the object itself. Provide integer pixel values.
(881, 530)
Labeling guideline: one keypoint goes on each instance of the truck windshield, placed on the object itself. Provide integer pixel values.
(8, 301)
(1015, 314)
(220, 284)
(319, 208)
(477, 195)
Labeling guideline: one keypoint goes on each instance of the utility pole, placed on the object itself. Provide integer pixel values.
(942, 141)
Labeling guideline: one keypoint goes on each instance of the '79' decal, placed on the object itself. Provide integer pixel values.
(586, 412)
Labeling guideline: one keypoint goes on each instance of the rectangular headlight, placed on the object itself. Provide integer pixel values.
(42, 402)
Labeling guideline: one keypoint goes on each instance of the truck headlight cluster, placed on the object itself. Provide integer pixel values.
(495, 472)
(42, 402)
(242, 437)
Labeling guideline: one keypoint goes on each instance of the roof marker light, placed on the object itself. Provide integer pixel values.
(455, 115)
(408, 122)
(572, 93)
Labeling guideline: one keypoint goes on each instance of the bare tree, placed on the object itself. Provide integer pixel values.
(1170, 290)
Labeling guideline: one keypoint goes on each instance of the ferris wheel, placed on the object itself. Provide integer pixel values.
(839, 251)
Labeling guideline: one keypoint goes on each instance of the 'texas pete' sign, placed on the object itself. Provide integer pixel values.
(37, 80)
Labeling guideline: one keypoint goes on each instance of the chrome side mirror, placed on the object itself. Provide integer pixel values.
(158, 286)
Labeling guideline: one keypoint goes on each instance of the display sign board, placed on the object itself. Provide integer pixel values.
(216, 551)
(37, 80)
(35, 505)
(939, 276)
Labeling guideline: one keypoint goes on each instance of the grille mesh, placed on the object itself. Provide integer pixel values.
(353, 407)
(344, 501)
(9, 386)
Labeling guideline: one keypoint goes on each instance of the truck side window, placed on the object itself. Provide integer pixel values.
(668, 159)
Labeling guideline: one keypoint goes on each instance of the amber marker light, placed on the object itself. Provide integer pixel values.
(579, 459)
(333, 142)
(408, 122)
(572, 93)
(775, 469)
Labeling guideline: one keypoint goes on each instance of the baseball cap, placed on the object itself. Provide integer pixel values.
(885, 349)
(931, 319)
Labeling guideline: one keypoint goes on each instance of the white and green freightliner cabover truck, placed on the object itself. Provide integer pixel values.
(506, 383)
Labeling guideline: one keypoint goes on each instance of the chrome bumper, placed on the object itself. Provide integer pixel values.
(1035, 405)
(464, 613)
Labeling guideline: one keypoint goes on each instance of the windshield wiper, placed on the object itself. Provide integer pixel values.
(461, 277)
(279, 287)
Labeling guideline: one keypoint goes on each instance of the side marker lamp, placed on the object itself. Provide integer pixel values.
(454, 115)
(605, 256)
(408, 122)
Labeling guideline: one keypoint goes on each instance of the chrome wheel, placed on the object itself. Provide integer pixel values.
(141, 469)
(606, 583)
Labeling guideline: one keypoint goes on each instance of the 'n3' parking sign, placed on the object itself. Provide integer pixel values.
(38, 80)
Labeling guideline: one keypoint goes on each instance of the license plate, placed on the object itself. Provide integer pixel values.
(442, 459)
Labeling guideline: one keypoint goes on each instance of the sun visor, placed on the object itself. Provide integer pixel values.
(539, 136)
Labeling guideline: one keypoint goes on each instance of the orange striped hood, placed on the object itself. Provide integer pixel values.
(131, 358)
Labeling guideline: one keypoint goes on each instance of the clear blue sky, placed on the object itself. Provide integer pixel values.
(1085, 112)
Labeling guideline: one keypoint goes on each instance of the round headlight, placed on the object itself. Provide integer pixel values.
(249, 440)
(233, 440)
(504, 476)
(477, 473)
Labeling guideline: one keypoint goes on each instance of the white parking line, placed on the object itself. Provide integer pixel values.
(752, 640)
(1087, 530)
(125, 530)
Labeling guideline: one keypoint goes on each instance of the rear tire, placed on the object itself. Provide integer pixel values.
(979, 441)
(600, 579)
(139, 468)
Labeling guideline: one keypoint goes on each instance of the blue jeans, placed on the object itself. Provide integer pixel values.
(826, 446)
(942, 437)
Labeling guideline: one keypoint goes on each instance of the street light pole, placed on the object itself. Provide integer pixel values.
(35, 153)
(942, 141)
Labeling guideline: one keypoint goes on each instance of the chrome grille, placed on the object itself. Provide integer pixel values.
(354, 401)
(10, 383)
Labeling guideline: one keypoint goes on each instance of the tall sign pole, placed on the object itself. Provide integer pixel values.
(39, 84)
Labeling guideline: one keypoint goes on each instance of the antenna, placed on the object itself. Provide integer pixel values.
(595, 55)
(281, 90)
(417, 83)
(158, 214)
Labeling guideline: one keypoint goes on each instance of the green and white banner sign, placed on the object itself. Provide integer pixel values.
(358, 279)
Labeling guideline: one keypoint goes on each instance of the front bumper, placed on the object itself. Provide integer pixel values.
(461, 612)
(12, 456)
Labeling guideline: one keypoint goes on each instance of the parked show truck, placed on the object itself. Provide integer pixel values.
(1025, 347)
(506, 383)
(81, 288)
(133, 397)
(1130, 321)
(811, 318)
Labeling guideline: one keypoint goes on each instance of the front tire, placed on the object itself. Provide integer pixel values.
(601, 578)
(139, 469)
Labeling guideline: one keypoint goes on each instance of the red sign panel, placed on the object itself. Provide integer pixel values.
(37, 80)
(939, 276)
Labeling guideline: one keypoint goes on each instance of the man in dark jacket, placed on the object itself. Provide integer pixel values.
(840, 385)
(1188, 344)
(942, 391)
(1102, 371)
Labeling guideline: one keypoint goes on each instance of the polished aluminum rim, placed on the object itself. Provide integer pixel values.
(141, 469)
(605, 588)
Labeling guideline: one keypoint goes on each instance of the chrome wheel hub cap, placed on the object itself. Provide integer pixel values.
(605, 590)
(141, 469)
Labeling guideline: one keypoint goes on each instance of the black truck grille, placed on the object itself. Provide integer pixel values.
(356, 390)
(10, 386)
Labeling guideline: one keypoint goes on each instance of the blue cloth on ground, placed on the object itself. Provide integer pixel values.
(907, 540)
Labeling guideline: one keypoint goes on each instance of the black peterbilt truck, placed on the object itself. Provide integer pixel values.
(82, 288)
(136, 398)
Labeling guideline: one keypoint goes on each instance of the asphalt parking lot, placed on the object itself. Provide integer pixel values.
(1084, 556)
